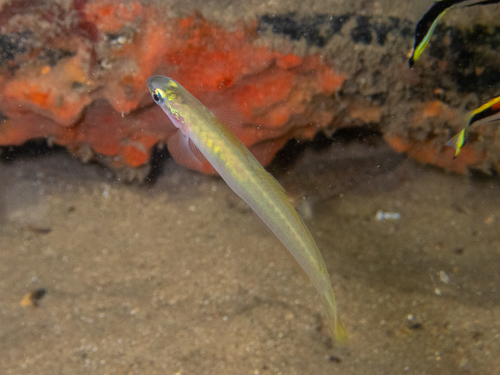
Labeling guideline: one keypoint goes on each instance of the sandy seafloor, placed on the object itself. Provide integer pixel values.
(179, 277)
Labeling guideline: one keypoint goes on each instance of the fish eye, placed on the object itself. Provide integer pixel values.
(158, 96)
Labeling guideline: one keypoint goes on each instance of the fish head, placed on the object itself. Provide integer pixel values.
(169, 95)
(164, 90)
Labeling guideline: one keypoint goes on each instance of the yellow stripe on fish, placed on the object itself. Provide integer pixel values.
(201, 135)
(427, 24)
(490, 111)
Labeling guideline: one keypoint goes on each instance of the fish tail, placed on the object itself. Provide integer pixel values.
(337, 328)
(425, 29)
(341, 334)
(457, 142)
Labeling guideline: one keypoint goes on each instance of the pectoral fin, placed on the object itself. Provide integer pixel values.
(185, 152)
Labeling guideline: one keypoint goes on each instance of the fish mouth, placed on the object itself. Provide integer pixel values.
(151, 82)
(162, 82)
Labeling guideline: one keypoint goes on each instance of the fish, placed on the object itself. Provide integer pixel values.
(201, 136)
(489, 111)
(426, 25)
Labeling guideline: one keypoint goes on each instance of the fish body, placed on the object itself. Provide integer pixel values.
(426, 25)
(489, 111)
(202, 135)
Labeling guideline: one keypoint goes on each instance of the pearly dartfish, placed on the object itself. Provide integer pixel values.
(201, 135)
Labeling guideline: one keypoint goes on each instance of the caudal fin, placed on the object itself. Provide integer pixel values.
(336, 327)
(457, 142)
(341, 334)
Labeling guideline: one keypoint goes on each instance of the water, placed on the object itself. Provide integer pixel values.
(177, 276)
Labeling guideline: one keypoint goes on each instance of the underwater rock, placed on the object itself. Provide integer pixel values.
(77, 76)
(75, 73)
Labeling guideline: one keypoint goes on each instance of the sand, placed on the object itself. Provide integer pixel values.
(179, 277)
